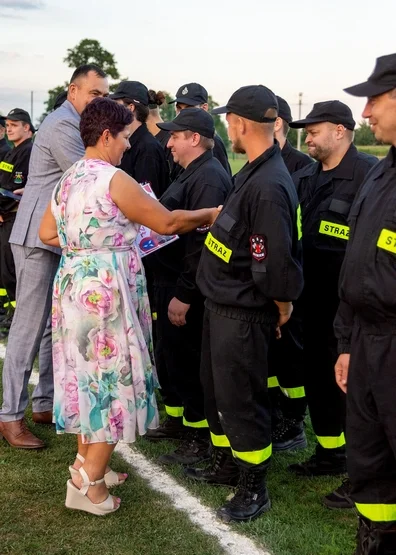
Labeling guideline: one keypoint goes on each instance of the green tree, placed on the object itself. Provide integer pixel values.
(90, 51)
(50, 102)
(220, 127)
(167, 111)
(87, 51)
(363, 135)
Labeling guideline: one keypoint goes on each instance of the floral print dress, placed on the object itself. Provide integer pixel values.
(104, 375)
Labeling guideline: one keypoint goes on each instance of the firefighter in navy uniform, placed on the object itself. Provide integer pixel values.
(326, 191)
(145, 161)
(13, 176)
(203, 183)
(250, 271)
(294, 159)
(366, 327)
(4, 146)
(194, 95)
(286, 364)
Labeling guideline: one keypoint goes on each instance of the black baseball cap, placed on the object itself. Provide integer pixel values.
(284, 111)
(332, 111)
(18, 114)
(59, 100)
(2, 121)
(133, 90)
(191, 94)
(251, 102)
(193, 119)
(382, 80)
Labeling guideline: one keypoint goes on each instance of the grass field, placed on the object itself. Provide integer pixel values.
(34, 520)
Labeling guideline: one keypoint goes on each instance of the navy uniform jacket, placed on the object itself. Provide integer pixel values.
(294, 159)
(368, 274)
(325, 209)
(4, 148)
(203, 184)
(145, 161)
(252, 253)
(14, 172)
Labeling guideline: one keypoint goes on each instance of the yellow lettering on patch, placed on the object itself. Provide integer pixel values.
(334, 230)
(217, 248)
(387, 240)
(299, 223)
(6, 167)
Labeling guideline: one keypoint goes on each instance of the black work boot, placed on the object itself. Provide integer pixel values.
(340, 498)
(251, 496)
(171, 428)
(222, 472)
(375, 538)
(325, 462)
(193, 450)
(288, 435)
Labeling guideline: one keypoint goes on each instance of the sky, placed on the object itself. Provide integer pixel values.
(292, 46)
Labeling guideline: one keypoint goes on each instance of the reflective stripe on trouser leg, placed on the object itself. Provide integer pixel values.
(176, 412)
(254, 457)
(377, 512)
(293, 392)
(200, 424)
(330, 442)
(3, 292)
(219, 441)
(273, 382)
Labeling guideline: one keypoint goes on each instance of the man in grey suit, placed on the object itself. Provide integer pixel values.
(57, 146)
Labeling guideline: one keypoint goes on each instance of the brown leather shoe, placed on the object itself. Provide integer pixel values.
(42, 417)
(17, 435)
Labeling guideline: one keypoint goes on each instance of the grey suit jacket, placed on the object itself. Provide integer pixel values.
(56, 147)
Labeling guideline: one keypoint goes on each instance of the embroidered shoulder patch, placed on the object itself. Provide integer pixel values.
(257, 247)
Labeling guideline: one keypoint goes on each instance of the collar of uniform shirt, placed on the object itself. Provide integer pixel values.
(191, 168)
(137, 135)
(249, 168)
(344, 170)
(287, 148)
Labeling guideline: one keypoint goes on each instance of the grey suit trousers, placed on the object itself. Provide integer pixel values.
(30, 333)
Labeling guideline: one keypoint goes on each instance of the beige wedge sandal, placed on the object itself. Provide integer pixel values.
(111, 477)
(77, 498)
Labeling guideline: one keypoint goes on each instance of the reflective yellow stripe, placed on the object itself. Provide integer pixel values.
(6, 167)
(334, 230)
(154, 316)
(272, 382)
(3, 293)
(293, 392)
(299, 222)
(254, 457)
(174, 411)
(13, 303)
(201, 424)
(219, 441)
(387, 240)
(332, 442)
(217, 248)
(377, 513)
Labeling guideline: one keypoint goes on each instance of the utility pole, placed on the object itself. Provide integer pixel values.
(31, 105)
(299, 131)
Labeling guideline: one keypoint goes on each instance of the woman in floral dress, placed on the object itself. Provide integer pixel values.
(104, 373)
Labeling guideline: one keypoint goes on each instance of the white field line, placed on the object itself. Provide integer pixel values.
(232, 542)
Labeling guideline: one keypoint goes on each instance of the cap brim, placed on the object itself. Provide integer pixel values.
(303, 122)
(184, 100)
(220, 110)
(117, 96)
(368, 89)
(171, 126)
